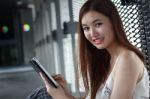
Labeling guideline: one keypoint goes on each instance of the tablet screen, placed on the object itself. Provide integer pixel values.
(39, 68)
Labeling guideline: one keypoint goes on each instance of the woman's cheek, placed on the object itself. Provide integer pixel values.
(87, 36)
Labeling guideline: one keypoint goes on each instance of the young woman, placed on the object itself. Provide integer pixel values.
(111, 67)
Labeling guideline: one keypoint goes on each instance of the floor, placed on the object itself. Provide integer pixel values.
(18, 84)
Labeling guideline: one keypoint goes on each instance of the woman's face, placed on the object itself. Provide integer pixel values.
(98, 29)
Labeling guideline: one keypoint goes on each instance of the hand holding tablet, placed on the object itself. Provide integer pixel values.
(40, 69)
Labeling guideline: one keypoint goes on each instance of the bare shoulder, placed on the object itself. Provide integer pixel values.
(130, 63)
(130, 58)
(127, 74)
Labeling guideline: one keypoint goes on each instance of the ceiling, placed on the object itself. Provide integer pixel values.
(13, 4)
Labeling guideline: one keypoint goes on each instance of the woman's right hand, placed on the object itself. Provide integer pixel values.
(62, 92)
(61, 80)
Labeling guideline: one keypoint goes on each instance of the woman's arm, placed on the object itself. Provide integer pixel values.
(126, 76)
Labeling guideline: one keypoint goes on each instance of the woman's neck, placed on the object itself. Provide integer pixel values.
(114, 51)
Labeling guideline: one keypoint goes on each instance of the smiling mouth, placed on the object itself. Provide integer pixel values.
(98, 41)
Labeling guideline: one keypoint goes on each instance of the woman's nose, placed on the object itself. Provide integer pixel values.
(93, 32)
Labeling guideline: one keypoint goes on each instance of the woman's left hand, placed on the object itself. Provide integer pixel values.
(57, 93)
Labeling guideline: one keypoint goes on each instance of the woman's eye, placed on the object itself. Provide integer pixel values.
(85, 28)
(98, 24)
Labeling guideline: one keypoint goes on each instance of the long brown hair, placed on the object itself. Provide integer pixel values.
(95, 63)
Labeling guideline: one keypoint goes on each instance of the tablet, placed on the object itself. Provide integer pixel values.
(39, 68)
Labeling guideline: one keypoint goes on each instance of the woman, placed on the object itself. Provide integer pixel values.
(111, 67)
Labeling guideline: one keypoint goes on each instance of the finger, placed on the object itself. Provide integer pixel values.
(53, 75)
(59, 76)
(56, 75)
(60, 79)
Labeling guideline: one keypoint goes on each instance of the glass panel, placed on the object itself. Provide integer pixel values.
(76, 7)
(68, 61)
(53, 15)
(64, 11)
(54, 43)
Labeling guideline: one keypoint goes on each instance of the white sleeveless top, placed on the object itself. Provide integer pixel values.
(141, 90)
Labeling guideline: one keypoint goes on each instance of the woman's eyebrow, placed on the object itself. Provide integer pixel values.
(96, 20)
(84, 25)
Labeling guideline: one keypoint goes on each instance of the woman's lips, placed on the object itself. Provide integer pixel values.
(98, 41)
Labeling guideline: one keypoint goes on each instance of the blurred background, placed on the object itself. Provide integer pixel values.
(46, 29)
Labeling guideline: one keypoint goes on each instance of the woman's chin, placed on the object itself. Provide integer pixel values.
(100, 47)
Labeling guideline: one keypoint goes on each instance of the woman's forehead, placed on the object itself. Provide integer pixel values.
(92, 16)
